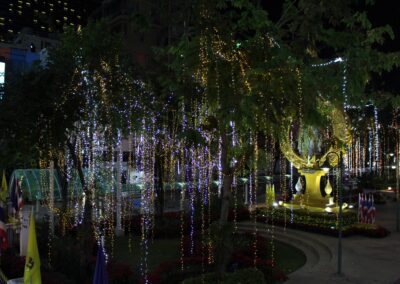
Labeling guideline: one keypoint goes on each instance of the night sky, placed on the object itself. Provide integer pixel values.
(382, 13)
(388, 12)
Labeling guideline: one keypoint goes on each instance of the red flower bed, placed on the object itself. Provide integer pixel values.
(119, 272)
(169, 271)
(12, 265)
(242, 257)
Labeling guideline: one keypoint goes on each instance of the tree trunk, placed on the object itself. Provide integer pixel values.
(63, 182)
(88, 193)
(224, 246)
(77, 164)
(87, 243)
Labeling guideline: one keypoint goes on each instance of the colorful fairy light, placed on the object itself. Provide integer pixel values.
(182, 215)
(219, 166)
(376, 139)
(255, 167)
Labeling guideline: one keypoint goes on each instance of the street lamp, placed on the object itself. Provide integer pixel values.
(397, 129)
(246, 190)
(397, 182)
(326, 167)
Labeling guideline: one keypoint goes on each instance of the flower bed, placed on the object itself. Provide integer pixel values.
(119, 272)
(11, 264)
(321, 223)
(369, 230)
(242, 257)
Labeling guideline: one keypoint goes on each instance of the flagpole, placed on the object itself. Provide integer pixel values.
(340, 217)
(340, 204)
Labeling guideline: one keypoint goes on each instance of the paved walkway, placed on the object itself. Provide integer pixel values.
(365, 260)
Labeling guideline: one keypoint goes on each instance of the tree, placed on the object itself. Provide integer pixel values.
(74, 109)
(215, 100)
(249, 74)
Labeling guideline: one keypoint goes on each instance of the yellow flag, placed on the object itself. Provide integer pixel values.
(32, 264)
(4, 189)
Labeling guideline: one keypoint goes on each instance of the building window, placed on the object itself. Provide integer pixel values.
(2, 72)
(2, 78)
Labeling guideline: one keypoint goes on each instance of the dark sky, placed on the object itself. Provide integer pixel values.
(388, 12)
(383, 12)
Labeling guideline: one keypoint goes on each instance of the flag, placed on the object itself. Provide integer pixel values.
(4, 189)
(16, 195)
(32, 263)
(13, 195)
(365, 208)
(373, 210)
(3, 231)
(100, 273)
(24, 231)
(369, 211)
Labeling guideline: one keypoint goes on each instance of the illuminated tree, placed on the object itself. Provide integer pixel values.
(226, 92)
(245, 75)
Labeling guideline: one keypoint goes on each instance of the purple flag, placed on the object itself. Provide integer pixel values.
(360, 208)
(365, 209)
(100, 274)
(16, 195)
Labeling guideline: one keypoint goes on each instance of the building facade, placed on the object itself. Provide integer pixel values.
(19, 56)
(144, 23)
(44, 17)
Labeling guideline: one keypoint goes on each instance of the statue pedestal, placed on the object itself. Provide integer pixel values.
(312, 196)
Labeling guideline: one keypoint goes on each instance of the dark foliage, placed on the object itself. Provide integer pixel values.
(197, 263)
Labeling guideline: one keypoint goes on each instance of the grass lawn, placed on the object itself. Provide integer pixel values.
(160, 250)
(288, 258)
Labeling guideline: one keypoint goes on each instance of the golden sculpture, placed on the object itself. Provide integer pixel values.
(308, 164)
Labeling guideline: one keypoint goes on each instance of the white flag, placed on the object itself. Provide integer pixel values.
(23, 235)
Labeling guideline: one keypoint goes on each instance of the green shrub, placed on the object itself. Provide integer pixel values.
(302, 216)
(370, 230)
(321, 222)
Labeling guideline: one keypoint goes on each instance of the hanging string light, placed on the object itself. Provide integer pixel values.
(182, 215)
(192, 194)
(219, 166)
(235, 204)
(209, 170)
(255, 197)
(376, 140)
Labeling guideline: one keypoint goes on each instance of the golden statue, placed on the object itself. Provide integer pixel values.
(312, 151)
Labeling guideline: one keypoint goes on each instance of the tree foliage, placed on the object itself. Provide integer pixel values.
(231, 82)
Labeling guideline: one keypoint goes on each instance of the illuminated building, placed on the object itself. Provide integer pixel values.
(44, 17)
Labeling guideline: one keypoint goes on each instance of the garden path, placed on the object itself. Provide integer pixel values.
(365, 260)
